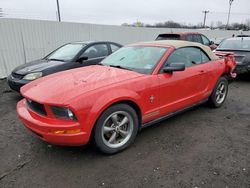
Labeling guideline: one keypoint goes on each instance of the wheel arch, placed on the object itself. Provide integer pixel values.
(131, 98)
(133, 104)
(129, 102)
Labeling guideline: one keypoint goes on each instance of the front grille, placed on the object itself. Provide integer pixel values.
(36, 107)
(17, 76)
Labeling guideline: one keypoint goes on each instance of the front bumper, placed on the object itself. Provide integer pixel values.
(44, 127)
(16, 84)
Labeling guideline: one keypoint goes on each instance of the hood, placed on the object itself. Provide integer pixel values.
(36, 66)
(60, 87)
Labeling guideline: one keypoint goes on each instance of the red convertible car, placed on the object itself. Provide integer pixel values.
(137, 86)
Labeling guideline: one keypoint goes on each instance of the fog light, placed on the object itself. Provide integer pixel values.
(73, 131)
(58, 132)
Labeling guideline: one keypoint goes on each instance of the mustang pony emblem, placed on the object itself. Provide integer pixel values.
(151, 98)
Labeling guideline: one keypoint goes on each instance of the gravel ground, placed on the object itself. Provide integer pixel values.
(201, 148)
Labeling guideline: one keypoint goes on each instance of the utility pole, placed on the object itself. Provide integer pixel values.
(58, 11)
(229, 12)
(205, 17)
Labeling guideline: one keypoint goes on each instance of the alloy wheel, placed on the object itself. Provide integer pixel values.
(117, 129)
(221, 92)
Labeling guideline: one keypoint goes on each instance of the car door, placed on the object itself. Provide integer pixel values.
(184, 88)
(94, 54)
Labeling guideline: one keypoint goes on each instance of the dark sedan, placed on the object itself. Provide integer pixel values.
(68, 56)
(240, 47)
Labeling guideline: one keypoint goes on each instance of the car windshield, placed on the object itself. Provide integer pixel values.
(233, 44)
(142, 59)
(66, 52)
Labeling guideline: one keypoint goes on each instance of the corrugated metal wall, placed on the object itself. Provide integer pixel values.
(25, 40)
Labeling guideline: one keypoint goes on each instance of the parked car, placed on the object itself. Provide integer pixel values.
(217, 41)
(135, 87)
(240, 48)
(68, 56)
(188, 36)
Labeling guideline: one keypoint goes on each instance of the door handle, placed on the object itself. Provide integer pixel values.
(202, 71)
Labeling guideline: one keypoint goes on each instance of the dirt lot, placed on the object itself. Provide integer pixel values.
(201, 148)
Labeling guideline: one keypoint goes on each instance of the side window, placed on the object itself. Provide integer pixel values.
(190, 38)
(205, 40)
(95, 51)
(204, 57)
(190, 56)
(114, 47)
(180, 56)
(197, 38)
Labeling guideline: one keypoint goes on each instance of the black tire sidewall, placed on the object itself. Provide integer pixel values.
(97, 134)
(212, 98)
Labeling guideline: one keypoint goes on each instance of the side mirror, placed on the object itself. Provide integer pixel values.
(82, 59)
(211, 42)
(174, 67)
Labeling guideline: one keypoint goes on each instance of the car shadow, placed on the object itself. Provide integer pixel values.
(243, 78)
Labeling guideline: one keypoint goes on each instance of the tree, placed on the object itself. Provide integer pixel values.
(212, 25)
(172, 24)
(248, 23)
(125, 24)
(1, 12)
(138, 24)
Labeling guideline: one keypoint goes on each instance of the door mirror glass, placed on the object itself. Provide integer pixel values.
(174, 67)
(211, 43)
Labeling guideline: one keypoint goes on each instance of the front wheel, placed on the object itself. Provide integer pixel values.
(116, 128)
(219, 93)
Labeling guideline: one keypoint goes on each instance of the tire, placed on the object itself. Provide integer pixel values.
(116, 129)
(219, 93)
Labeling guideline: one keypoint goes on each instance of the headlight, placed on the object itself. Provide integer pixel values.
(63, 113)
(33, 76)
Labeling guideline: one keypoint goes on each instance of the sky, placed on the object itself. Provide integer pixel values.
(116, 12)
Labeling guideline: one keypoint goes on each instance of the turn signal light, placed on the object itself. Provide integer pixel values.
(74, 131)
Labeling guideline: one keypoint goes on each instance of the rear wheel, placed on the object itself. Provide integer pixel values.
(219, 94)
(116, 128)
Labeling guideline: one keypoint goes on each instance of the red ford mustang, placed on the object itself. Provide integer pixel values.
(136, 86)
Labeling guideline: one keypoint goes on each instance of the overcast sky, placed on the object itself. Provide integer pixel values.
(116, 12)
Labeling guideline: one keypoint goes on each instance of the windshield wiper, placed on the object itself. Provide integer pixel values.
(53, 59)
(120, 67)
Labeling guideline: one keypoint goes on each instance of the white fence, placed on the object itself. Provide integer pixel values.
(25, 40)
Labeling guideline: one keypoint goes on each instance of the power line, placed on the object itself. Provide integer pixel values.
(205, 17)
